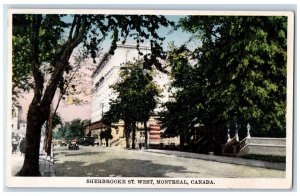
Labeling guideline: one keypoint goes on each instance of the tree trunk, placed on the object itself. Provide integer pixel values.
(146, 134)
(48, 138)
(35, 120)
(38, 112)
(90, 132)
(39, 108)
(133, 135)
(127, 134)
(182, 140)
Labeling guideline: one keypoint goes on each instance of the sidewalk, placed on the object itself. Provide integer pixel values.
(46, 164)
(223, 159)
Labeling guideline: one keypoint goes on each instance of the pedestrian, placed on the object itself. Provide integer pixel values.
(23, 145)
(14, 145)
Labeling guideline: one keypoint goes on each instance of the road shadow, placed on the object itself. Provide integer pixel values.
(83, 154)
(117, 168)
(75, 153)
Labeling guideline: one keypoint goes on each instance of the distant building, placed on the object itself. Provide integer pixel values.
(16, 114)
(106, 74)
(18, 126)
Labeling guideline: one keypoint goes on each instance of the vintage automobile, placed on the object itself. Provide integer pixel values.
(86, 141)
(73, 145)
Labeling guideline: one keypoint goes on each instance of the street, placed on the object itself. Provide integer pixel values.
(119, 162)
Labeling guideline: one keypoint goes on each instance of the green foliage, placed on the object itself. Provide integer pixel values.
(70, 130)
(20, 56)
(114, 114)
(58, 32)
(137, 96)
(56, 120)
(236, 75)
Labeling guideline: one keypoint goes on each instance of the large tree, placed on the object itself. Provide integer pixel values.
(136, 100)
(71, 87)
(44, 44)
(236, 75)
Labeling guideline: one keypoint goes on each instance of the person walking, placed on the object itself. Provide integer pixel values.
(14, 145)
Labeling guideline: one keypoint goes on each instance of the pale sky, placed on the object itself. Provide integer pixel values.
(70, 112)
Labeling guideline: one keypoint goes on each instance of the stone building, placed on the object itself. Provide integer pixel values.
(106, 74)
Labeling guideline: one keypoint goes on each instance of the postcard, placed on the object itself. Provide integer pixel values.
(103, 98)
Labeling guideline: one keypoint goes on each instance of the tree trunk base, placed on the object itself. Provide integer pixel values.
(29, 171)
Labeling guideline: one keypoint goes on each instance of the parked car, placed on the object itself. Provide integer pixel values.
(73, 145)
(86, 141)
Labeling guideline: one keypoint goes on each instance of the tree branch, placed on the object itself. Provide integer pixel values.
(66, 52)
(72, 27)
(34, 41)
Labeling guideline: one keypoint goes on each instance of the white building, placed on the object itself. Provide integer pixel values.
(18, 126)
(107, 73)
(15, 118)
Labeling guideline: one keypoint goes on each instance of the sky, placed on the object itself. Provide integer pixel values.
(70, 112)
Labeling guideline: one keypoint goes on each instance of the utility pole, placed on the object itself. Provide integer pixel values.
(101, 105)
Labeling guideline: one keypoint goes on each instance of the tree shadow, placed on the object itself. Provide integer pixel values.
(117, 168)
(75, 153)
(84, 154)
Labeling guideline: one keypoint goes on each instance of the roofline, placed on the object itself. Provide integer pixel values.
(105, 58)
(131, 45)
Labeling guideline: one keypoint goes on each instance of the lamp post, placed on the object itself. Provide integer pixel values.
(248, 130)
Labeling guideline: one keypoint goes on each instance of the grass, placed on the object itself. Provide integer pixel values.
(269, 158)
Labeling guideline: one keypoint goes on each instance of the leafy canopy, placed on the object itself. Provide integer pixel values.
(236, 75)
(137, 95)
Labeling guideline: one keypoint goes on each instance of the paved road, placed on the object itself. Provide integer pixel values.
(119, 162)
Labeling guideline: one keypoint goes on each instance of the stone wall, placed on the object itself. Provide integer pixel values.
(264, 146)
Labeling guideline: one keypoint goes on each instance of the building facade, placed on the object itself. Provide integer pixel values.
(18, 126)
(15, 118)
(108, 73)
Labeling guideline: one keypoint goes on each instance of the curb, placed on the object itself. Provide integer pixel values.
(223, 159)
